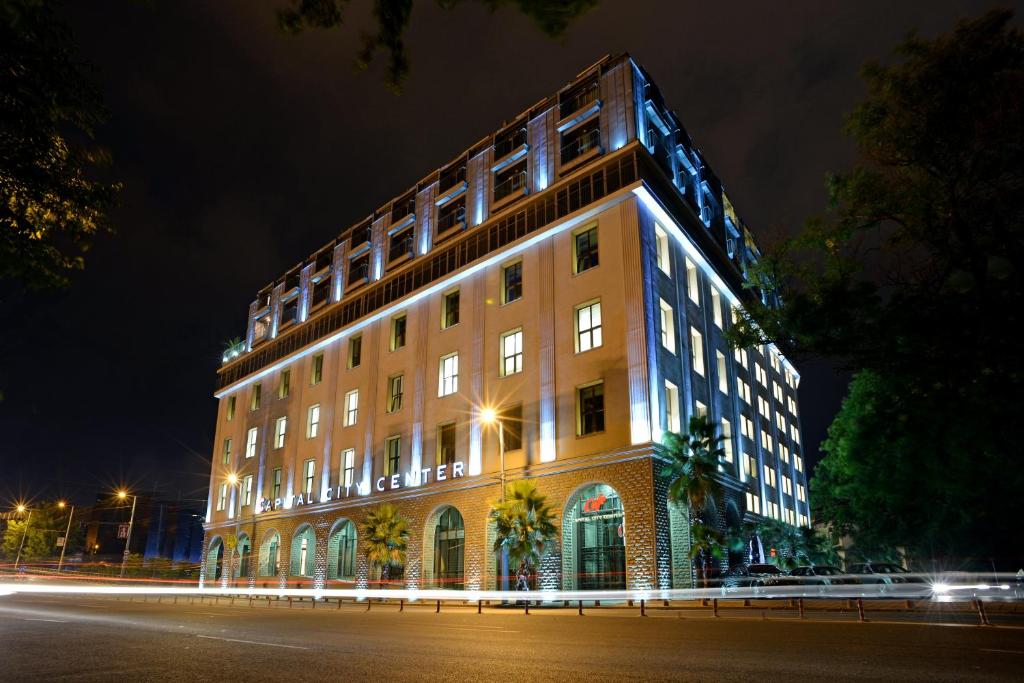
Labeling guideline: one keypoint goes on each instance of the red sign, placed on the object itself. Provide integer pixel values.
(594, 504)
(122, 531)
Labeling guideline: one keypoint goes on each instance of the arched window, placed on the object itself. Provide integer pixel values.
(243, 553)
(341, 552)
(215, 560)
(303, 552)
(449, 546)
(270, 555)
(594, 529)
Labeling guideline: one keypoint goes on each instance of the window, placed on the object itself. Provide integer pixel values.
(225, 458)
(584, 250)
(697, 351)
(763, 407)
(276, 489)
(662, 250)
(668, 327)
(798, 462)
(746, 427)
(446, 443)
(783, 453)
(787, 485)
(509, 180)
(769, 476)
(396, 388)
(247, 491)
(699, 409)
(355, 352)
(398, 324)
(359, 269)
(776, 364)
(309, 471)
(590, 409)
(284, 387)
(716, 307)
(780, 422)
(753, 503)
(801, 493)
(743, 389)
(760, 374)
(588, 326)
(743, 358)
(512, 282)
(750, 465)
(313, 421)
(255, 395)
(222, 496)
(794, 434)
(280, 427)
(692, 282)
(448, 380)
(727, 440)
(511, 353)
(451, 216)
(392, 455)
(512, 427)
(450, 309)
(316, 375)
(230, 411)
(777, 391)
(401, 244)
(581, 140)
(250, 442)
(723, 373)
(767, 443)
(351, 407)
(348, 467)
(672, 417)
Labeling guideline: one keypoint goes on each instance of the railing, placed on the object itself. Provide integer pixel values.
(400, 247)
(579, 99)
(509, 143)
(506, 187)
(450, 177)
(451, 219)
(581, 144)
(403, 208)
(360, 235)
(359, 271)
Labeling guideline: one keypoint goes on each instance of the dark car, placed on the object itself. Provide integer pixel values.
(755, 575)
(822, 575)
(883, 572)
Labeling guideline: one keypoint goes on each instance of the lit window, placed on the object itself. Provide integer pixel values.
(769, 476)
(222, 497)
(697, 351)
(760, 374)
(310, 472)
(767, 443)
(247, 491)
(699, 409)
(723, 372)
(230, 410)
(398, 325)
(750, 465)
(250, 442)
(661, 245)
(512, 282)
(355, 352)
(716, 307)
(392, 455)
(348, 467)
(672, 418)
(255, 396)
(753, 503)
(396, 389)
(285, 385)
(280, 427)
(743, 389)
(313, 423)
(668, 327)
(787, 485)
(351, 407)
(226, 453)
(801, 493)
(763, 407)
(727, 440)
(448, 375)
(590, 409)
(446, 443)
(450, 309)
(747, 427)
(317, 372)
(511, 353)
(588, 326)
(584, 248)
(276, 486)
(692, 282)
(743, 357)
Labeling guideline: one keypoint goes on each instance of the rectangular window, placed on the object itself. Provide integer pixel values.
(276, 490)
(581, 140)
(801, 493)
(222, 497)
(255, 396)
(769, 476)
(760, 374)
(511, 353)
(750, 465)
(510, 180)
(798, 463)
(355, 352)
(787, 485)
(699, 409)
(692, 282)
(398, 326)
(783, 453)
(250, 442)
(727, 440)
(309, 470)
(448, 375)
(753, 503)
(588, 326)
(743, 358)
(747, 427)
(763, 407)
(767, 443)
(280, 427)
(226, 453)
(401, 244)
(672, 416)
(716, 307)
(512, 282)
(230, 410)
(284, 387)
(446, 443)
(661, 247)
(743, 389)
(247, 491)
(359, 269)
(450, 309)
(590, 409)
(697, 351)
(512, 427)
(668, 326)
(316, 375)
(392, 455)
(451, 217)
(348, 467)
(313, 421)
(396, 389)
(723, 372)
(351, 407)
(584, 250)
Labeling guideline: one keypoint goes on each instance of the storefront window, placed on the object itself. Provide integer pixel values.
(600, 546)
(449, 543)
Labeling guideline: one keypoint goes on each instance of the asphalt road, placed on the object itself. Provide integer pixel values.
(102, 639)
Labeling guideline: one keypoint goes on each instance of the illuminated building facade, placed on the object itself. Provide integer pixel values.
(574, 272)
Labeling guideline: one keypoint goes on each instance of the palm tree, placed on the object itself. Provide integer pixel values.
(385, 539)
(525, 524)
(693, 464)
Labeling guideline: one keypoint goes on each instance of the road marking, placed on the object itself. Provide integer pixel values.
(1008, 652)
(253, 642)
(475, 628)
(54, 621)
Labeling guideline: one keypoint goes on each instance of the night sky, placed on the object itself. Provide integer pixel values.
(242, 150)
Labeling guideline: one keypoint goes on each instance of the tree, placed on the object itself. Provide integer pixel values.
(913, 280)
(51, 204)
(693, 471)
(386, 539)
(391, 19)
(525, 525)
(47, 523)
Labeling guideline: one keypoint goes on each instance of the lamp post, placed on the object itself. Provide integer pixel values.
(236, 482)
(123, 495)
(67, 534)
(490, 416)
(24, 532)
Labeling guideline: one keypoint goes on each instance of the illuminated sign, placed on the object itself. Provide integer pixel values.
(594, 504)
(410, 479)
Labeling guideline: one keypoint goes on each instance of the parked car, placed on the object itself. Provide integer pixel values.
(755, 575)
(822, 575)
(883, 572)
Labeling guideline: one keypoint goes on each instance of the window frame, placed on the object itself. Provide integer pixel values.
(450, 315)
(313, 426)
(517, 354)
(593, 331)
(505, 288)
(452, 379)
(593, 249)
(351, 414)
(581, 417)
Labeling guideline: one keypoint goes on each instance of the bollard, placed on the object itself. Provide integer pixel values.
(232, 601)
(629, 603)
(860, 609)
(314, 603)
(526, 603)
(714, 606)
(643, 608)
(339, 603)
(401, 605)
(250, 601)
(369, 601)
(801, 603)
(981, 612)
(289, 602)
(479, 606)
(664, 603)
(580, 606)
(438, 610)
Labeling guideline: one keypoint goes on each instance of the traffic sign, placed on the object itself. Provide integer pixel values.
(60, 541)
(122, 531)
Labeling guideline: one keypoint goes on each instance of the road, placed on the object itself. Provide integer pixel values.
(83, 638)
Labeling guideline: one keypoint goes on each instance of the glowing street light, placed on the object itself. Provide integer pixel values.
(67, 534)
(24, 532)
(123, 495)
(490, 416)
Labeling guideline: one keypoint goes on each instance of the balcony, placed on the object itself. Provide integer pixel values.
(451, 218)
(403, 211)
(584, 98)
(580, 145)
(509, 185)
(401, 246)
(509, 147)
(360, 236)
(451, 182)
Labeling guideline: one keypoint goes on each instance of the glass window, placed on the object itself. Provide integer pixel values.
(585, 250)
(396, 389)
(317, 373)
(668, 326)
(512, 427)
(351, 407)
(512, 282)
(276, 490)
(348, 467)
(280, 427)
(392, 455)
(255, 396)
(697, 351)
(716, 307)
(588, 326)
(222, 496)
(511, 352)
(398, 332)
(230, 410)
(247, 490)
(226, 453)
(727, 440)
(692, 282)
(723, 372)
(355, 351)
(309, 471)
(446, 443)
(699, 409)
(449, 550)
(672, 417)
(285, 385)
(662, 250)
(313, 422)
(590, 409)
(448, 381)
(450, 309)
(250, 442)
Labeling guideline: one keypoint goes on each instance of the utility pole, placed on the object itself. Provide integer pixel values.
(127, 541)
(24, 532)
(67, 535)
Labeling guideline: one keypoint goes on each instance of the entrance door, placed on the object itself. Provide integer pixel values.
(600, 546)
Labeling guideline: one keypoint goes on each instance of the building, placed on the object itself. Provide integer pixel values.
(169, 530)
(574, 271)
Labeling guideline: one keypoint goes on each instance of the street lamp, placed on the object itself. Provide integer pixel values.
(67, 534)
(490, 416)
(24, 532)
(236, 482)
(123, 495)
